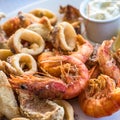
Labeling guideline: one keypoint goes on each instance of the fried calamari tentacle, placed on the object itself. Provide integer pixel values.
(101, 97)
(7, 68)
(26, 41)
(71, 14)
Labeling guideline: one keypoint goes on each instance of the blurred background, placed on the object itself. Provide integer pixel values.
(7, 6)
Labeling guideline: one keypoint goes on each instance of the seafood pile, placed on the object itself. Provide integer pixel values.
(45, 62)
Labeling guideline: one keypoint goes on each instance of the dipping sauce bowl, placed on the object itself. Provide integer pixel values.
(99, 30)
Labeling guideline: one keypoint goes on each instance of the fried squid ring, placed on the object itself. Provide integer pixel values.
(43, 28)
(101, 97)
(69, 69)
(69, 112)
(23, 63)
(5, 53)
(26, 41)
(44, 12)
(64, 36)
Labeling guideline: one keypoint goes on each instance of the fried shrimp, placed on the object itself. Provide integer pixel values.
(22, 20)
(26, 41)
(70, 70)
(83, 49)
(101, 97)
(43, 86)
(107, 62)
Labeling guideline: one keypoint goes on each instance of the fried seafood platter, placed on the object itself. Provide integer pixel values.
(50, 71)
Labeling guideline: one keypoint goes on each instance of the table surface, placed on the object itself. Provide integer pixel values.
(8, 6)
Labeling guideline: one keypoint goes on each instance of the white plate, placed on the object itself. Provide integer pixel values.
(53, 5)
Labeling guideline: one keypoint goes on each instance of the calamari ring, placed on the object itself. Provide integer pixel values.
(23, 63)
(101, 97)
(43, 28)
(64, 36)
(69, 69)
(69, 112)
(5, 53)
(26, 41)
(44, 12)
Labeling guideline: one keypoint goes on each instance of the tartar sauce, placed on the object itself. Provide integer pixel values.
(103, 9)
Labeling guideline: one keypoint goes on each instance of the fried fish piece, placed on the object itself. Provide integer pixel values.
(39, 109)
(8, 104)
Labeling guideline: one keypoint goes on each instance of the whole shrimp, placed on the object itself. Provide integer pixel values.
(42, 86)
(101, 97)
(107, 63)
(69, 69)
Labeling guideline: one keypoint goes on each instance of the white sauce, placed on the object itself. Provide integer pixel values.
(103, 9)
